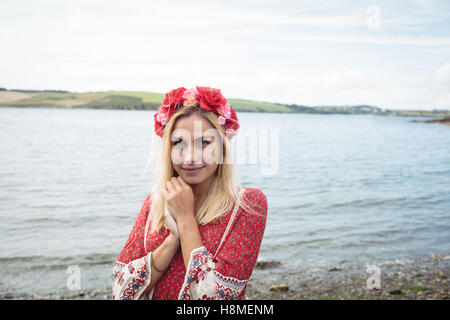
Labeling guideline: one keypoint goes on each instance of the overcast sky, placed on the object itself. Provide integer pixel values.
(391, 54)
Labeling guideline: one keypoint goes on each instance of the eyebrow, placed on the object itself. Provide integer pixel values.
(209, 138)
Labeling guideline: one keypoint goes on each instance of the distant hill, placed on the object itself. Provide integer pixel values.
(141, 100)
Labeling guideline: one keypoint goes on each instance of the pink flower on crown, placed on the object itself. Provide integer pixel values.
(226, 111)
(190, 95)
(230, 133)
(222, 120)
(162, 118)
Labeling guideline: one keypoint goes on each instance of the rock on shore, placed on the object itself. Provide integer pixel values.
(445, 120)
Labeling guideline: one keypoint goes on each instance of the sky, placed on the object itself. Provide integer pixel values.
(389, 54)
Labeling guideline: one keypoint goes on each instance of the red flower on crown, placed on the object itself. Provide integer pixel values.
(209, 99)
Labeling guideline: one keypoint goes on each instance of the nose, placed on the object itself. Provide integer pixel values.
(192, 155)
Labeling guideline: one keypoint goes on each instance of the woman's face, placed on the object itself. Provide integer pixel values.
(196, 149)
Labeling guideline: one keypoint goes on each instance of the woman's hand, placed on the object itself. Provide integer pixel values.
(179, 199)
(172, 224)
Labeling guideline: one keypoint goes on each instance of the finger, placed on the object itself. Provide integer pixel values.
(164, 193)
(177, 183)
(184, 183)
(180, 179)
(170, 186)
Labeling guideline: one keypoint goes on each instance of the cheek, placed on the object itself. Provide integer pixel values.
(210, 169)
(212, 154)
(176, 157)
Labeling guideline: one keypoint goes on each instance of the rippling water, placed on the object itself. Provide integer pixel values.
(355, 189)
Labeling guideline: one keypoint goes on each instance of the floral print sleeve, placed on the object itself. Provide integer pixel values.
(225, 276)
(132, 268)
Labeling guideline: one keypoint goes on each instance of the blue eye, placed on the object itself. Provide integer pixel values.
(179, 143)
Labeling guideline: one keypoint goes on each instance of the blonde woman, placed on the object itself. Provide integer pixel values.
(198, 233)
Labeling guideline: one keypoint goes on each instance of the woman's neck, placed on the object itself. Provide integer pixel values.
(200, 191)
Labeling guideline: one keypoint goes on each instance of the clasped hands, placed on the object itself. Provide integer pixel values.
(179, 202)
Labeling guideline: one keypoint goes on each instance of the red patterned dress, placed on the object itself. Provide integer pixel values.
(210, 275)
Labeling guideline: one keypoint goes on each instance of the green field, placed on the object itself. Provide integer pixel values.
(142, 100)
(257, 106)
(149, 97)
(136, 100)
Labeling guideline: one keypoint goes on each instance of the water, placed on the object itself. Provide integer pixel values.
(349, 189)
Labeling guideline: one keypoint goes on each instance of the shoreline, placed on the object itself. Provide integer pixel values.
(445, 120)
(424, 279)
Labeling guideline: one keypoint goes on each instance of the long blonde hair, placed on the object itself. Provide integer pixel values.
(224, 191)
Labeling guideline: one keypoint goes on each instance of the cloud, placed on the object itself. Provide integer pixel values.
(305, 52)
(384, 87)
(441, 77)
(376, 40)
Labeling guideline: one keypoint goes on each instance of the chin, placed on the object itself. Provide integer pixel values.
(192, 180)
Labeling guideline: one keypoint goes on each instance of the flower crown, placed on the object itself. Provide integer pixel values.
(209, 99)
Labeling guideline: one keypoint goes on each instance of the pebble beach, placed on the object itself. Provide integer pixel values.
(420, 279)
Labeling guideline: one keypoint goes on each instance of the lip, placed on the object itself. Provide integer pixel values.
(187, 170)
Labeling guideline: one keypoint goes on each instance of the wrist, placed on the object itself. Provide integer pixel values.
(173, 240)
(186, 222)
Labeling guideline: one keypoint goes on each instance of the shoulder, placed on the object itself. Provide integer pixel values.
(256, 198)
(254, 194)
(145, 208)
(147, 201)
